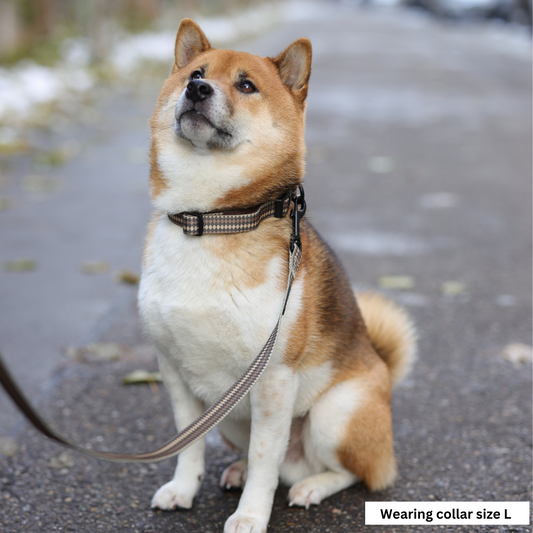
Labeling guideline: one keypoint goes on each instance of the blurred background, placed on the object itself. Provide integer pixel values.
(38, 28)
(419, 160)
(52, 47)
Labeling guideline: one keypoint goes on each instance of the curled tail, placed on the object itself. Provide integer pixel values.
(392, 333)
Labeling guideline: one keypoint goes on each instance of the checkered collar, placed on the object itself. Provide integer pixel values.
(241, 221)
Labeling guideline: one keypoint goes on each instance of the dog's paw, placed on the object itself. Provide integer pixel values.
(304, 494)
(243, 523)
(173, 495)
(234, 477)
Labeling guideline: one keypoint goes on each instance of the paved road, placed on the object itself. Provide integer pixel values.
(419, 141)
(94, 209)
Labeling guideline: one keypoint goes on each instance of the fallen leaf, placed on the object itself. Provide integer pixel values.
(141, 376)
(380, 164)
(8, 446)
(452, 288)
(50, 159)
(20, 265)
(100, 351)
(94, 267)
(128, 276)
(108, 351)
(63, 460)
(518, 353)
(11, 142)
(403, 283)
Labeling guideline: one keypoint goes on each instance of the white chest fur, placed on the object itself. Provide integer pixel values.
(199, 315)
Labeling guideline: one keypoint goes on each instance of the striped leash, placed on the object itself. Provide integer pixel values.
(217, 412)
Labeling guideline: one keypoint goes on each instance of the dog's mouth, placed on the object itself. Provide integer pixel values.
(196, 119)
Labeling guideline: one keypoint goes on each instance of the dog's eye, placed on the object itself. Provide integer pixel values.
(246, 86)
(196, 75)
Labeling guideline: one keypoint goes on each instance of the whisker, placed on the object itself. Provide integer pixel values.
(163, 128)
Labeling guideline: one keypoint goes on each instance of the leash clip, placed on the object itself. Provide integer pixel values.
(300, 207)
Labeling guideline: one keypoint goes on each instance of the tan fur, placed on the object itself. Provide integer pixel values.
(391, 331)
(367, 446)
(367, 449)
(248, 255)
(157, 183)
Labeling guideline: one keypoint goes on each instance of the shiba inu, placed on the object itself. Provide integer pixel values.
(228, 136)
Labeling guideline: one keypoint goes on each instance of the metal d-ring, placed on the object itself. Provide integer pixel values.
(297, 214)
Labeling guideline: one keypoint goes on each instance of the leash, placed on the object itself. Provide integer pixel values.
(231, 397)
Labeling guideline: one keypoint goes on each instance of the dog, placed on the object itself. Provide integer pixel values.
(227, 134)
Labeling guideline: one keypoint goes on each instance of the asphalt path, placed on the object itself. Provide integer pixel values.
(419, 175)
(87, 214)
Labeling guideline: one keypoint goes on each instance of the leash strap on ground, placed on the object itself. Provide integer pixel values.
(197, 429)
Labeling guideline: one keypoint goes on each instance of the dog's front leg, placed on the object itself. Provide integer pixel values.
(180, 492)
(272, 400)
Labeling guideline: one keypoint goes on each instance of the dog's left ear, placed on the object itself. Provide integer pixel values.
(190, 42)
(294, 65)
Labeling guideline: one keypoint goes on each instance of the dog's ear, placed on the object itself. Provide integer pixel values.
(190, 42)
(294, 65)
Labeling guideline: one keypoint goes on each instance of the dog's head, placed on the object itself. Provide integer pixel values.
(228, 128)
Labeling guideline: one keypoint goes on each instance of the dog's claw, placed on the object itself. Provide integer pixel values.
(303, 495)
(173, 495)
(234, 477)
(242, 523)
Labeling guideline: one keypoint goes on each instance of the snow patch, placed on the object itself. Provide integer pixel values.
(28, 85)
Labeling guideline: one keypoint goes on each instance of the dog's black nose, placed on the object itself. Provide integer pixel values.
(198, 90)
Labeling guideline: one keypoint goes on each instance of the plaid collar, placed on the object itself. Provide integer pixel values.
(241, 221)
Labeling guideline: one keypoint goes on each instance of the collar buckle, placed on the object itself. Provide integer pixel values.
(279, 203)
(199, 222)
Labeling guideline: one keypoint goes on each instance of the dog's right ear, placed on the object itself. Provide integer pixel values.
(190, 42)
